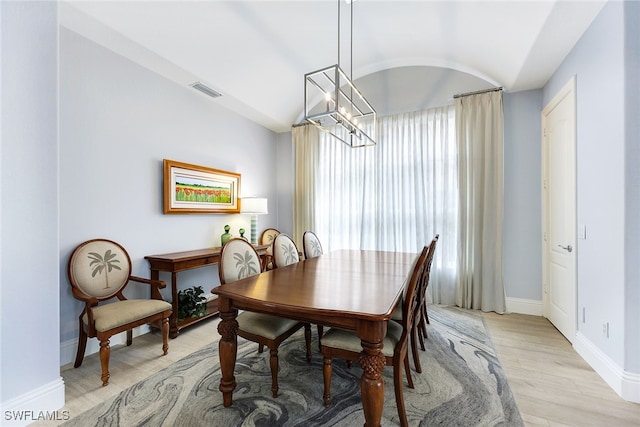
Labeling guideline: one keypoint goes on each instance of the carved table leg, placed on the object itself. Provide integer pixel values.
(228, 347)
(372, 362)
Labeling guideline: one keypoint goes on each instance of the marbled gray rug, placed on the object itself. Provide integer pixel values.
(462, 384)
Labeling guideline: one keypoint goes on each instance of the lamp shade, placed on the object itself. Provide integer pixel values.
(254, 205)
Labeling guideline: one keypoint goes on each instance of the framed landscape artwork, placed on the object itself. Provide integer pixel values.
(199, 189)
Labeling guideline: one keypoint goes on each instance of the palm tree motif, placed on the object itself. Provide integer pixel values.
(316, 250)
(246, 265)
(291, 255)
(106, 264)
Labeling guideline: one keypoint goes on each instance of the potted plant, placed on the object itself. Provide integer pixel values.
(191, 303)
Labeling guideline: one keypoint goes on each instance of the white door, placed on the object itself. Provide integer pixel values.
(559, 216)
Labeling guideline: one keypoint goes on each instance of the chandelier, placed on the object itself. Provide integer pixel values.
(334, 104)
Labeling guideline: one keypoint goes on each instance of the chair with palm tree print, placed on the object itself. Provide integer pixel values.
(285, 252)
(98, 271)
(239, 260)
(266, 238)
(311, 245)
(312, 248)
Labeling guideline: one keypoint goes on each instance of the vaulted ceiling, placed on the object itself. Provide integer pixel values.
(255, 53)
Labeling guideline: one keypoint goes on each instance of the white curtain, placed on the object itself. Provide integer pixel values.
(480, 137)
(306, 142)
(394, 196)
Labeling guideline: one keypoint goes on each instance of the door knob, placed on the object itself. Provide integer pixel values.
(567, 248)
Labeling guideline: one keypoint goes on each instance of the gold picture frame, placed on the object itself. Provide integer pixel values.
(193, 189)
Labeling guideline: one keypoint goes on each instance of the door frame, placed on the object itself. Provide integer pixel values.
(569, 89)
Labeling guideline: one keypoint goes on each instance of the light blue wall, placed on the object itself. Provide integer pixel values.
(29, 335)
(522, 258)
(632, 185)
(286, 177)
(118, 121)
(598, 62)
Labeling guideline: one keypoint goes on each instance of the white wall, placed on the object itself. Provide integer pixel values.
(29, 309)
(604, 190)
(118, 121)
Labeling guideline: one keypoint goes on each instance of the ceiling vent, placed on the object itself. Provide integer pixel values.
(205, 89)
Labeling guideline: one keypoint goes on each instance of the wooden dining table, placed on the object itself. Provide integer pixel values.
(350, 289)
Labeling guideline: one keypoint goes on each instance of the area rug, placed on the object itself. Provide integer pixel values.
(462, 384)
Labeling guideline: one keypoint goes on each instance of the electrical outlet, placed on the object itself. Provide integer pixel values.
(605, 329)
(584, 314)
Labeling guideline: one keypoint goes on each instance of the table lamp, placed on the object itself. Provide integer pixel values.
(254, 206)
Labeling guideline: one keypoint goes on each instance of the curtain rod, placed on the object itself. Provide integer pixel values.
(494, 89)
(296, 125)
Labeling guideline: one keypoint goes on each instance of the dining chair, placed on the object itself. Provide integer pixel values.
(239, 259)
(285, 251)
(347, 345)
(422, 318)
(419, 331)
(311, 245)
(312, 248)
(99, 270)
(266, 238)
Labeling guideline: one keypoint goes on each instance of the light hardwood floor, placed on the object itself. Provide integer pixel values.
(552, 385)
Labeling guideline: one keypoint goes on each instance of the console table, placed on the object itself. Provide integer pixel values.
(187, 260)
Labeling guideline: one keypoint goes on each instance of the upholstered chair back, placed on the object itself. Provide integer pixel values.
(267, 236)
(99, 268)
(238, 260)
(311, 245)
(285, 251)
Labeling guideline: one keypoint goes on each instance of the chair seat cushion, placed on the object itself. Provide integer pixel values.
(348, 340)
(116, 314)
(264, 325)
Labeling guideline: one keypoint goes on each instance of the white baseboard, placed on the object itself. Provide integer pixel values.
(524, 306)
(69, 348)
(626, 384)
(43, 403)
